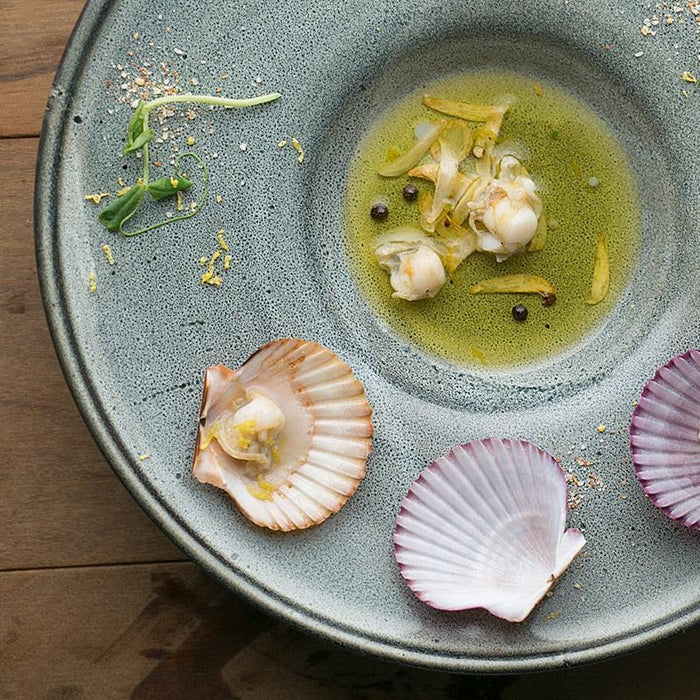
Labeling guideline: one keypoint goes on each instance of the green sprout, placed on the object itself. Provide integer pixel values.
(138, 136)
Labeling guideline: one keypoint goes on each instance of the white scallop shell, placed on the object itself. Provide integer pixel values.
(484, 527)
(665, 440)
(325, 440)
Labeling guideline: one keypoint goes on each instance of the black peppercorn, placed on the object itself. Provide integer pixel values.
(519, 312)
(379, 212)
(410, 192)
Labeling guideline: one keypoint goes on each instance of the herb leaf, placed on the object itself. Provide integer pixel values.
(122, 208)
(139, 142)
(136, 133)
(193, 209)
(167, 186)
(138, 136)
(136, 124)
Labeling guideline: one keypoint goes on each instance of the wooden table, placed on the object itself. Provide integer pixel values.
(94, 601)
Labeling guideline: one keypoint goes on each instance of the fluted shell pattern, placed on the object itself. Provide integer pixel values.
(324, 443)
(665, 439)
(484, 527)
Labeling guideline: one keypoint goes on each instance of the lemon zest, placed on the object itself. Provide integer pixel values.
(244, 442)
(97, 197)
(246, 427)
(298, 148)
(220, 238)
(108, 253)
(260, 494)
(266, 484)
(207, 276)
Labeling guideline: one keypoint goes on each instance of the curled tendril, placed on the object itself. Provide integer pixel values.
(198, 204)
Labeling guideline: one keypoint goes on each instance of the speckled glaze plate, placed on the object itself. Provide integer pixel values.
(134, 351)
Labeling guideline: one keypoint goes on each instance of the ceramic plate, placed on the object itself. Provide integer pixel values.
(134, 351)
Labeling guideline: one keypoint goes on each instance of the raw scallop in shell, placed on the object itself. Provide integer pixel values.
(484, 527)
(665, 439)
(286, 435)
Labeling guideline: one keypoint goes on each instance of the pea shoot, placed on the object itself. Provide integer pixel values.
(138, 136)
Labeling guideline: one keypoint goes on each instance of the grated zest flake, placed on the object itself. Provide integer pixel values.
(108, 253)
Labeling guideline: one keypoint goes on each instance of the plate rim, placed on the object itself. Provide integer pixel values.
(107, 438)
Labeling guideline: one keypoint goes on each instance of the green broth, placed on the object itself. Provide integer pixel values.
(567, 145)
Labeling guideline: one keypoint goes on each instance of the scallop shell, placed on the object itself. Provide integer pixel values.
(324, 443)
(484, 527)
(665, 440)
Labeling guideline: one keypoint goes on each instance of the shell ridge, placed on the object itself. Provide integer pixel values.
(673, 401)
(431, 492)
(338, 482)
(664, 439)
(301, 476)
(496, 489)
(652, 425)
(353, 447)
(484, 526)
(338, 464)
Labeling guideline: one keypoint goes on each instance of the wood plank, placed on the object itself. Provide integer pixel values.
(167, 631)
(116, 630)
(34, 33)
(60, 503)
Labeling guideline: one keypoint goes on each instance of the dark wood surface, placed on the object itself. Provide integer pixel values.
(94, 601)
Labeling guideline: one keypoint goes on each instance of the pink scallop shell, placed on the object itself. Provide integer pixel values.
(484, 527)
(665, 440)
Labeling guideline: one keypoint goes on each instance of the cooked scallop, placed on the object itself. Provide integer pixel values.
(286, 435)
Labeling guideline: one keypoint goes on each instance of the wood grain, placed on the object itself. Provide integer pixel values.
(34, 33)
(167, 631)
(61, 503)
